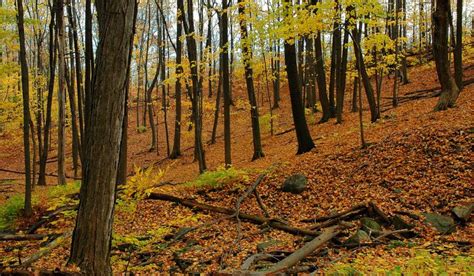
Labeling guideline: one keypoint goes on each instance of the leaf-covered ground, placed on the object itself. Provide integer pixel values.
(418, 161)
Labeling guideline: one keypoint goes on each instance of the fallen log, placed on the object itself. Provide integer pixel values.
(46, 250)
(250, 218)
(304, 251)
(362, 206)
(49, 217)
(21, 237)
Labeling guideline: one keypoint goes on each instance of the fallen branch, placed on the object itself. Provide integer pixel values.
(304, 251)
(49, 217)
(357, 207)
(251, 218)
(21, 237)
(46, 250)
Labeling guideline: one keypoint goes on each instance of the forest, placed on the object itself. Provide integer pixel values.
(236, 137)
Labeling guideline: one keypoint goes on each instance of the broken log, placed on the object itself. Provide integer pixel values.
(304, 251)
(49, 217)
(21, 237)
(250, 218)
(46, 250)
(362, 206)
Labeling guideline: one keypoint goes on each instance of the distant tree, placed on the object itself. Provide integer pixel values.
(449, 89)
(458, 71)
(305, 142)
(25, 88)
(91, 240)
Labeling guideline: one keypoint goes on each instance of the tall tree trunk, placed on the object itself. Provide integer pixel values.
(458, 48)
(91, 240)
(247, 54)
(25, 88)
(374, 115)
(335, 59)
(449, 89)
(176, 152)
(225, 81)
(341, 80)
(49, 102)
(61, 92)
(196, 92)
(305, 142)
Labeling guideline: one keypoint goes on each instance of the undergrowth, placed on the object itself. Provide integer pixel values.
(218, 178)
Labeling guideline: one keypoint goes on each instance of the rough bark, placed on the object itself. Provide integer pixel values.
(226, 88)
(91, 242)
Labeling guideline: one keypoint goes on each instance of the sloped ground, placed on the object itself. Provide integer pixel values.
(417, 161)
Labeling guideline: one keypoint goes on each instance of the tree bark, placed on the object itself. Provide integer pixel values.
(91, 241)
(25, 89)
(247, 54)
(226, 82)
(305, 142)
(450, 90)
(458, 48)
(61, 92)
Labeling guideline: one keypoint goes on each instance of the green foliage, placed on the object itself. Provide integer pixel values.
(141, 129)
(62, 195)
(265, 121)
(422, 262)
(218, 178)
(11, 210)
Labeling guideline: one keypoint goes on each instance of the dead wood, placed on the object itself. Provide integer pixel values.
(304, 251)
(357, 207)
(49, 217)
(21, 237)
(247, 217)
(46, 250)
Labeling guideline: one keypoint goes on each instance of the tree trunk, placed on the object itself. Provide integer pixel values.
(305, 142)
(196, 91)
(91, 240)
(176, 152)
(25, 88)
(61, 92)
(449, 89)
(225, 82)
(247, 54)
(47, 125)
(335, 59)
(341, 80)
(458, 48)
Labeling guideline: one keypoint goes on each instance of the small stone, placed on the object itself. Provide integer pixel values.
(295, 184)
(463, 213)
(444, 224)
(359, 237)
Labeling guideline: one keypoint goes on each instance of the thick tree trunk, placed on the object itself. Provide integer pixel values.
(449, 89)
(91, 240)
(25, 89)
(305, 142)
(341, 80)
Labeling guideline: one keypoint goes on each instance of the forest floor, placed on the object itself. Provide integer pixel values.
(417, 161)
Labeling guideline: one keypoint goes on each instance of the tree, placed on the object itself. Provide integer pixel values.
(61, 92)
(196, 91)
(225, 80)
(91, 240)
(247, 54)
(305, 142)
(176, 151)
(449, 89)
(458, 48)
(25, 88)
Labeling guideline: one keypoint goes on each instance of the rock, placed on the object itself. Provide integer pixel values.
(359, 237)
(370, 226)
(463, 213)
(262, 247)
(295, 184)
(444, 224)
(400, 224)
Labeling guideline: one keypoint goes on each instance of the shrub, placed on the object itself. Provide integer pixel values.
(217, 178)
